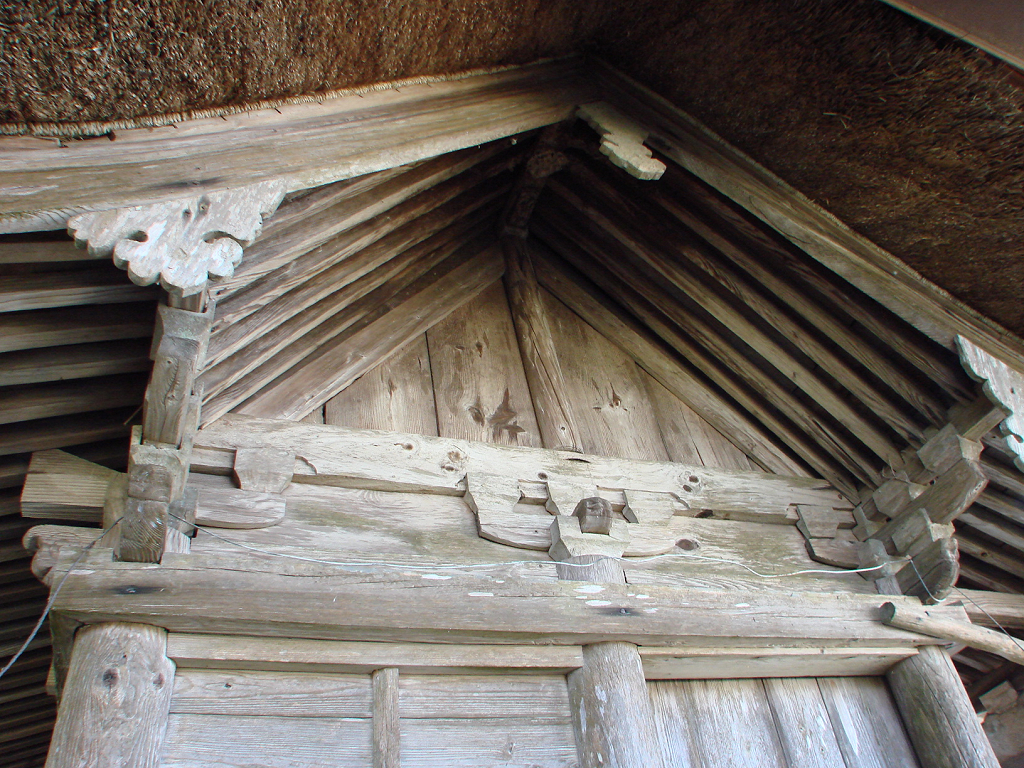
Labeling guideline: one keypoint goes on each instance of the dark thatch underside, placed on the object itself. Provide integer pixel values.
(912, 138)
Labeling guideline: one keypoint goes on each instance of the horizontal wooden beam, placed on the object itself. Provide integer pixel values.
(46, 290)
(75, 361)
(992, 609)
(306, 145)
(75, 325)
(294, 655)
(358, 458)
(251, 596)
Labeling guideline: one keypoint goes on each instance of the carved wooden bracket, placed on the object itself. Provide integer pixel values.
(622, 140)
(1004, 386)
(182, 242)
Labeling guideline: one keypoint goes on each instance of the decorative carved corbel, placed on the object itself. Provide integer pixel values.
(1004, 386)
(622, 140)
(183, 242)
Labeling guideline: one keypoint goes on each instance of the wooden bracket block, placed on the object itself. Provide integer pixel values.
(944, 449)
(931, 573)
(156, 473)
(179, 348)
(568, 541)
(622, 140)
(142, 531)
(842, 551)
(61, 486)
(564, 495)
(1004, 386)
(268, 470)
(236, 508)
(651, 507)
(892, 496)
(916, 531)
(822, 522)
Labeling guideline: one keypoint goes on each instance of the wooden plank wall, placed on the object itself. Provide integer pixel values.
(74, 359)
(464, 378)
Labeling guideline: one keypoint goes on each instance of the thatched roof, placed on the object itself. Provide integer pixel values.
(913, 138)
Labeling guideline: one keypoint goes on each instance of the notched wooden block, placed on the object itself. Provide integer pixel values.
(268, 470)
(237, 508)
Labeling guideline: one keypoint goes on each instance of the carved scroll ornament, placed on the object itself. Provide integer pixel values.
(1004, 386)
(182, 242)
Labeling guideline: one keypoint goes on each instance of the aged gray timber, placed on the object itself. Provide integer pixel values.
(297, 143)
(114, 707)
(938, 714)
(386, 731)
(189, 593)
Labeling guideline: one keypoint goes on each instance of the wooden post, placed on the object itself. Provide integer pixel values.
(938, 713)
(611, 709)
(386, 724)
(114, 708)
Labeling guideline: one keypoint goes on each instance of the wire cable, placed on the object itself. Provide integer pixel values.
(53, 596)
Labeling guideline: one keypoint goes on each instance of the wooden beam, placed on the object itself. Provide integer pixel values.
(334, 366)
(388, 461)
(48, 290)
(386, 724)
(377, 291)
(764, 399)
(992, 25)
(77, 361)
(690, 663)
(41, 252)
(914, 620)
(670, 372)
(801, 270)
(938, 714)
(205, 651)
(114, 707)
(261, 333)
(52, 399)
(992, 609)
(663, 254)
(874, 271)
(75, 325)
(243, 595)
(801, 300)
(323, 215)
(305, 145)
(62, 431)
(337, 249)
(548, 390)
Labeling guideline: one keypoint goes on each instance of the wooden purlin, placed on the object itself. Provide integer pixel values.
(697, 344)
(646, 246)
(242, 346)
(880, 275)
(297, 143)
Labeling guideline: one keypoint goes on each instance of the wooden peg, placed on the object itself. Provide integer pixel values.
(268, 470)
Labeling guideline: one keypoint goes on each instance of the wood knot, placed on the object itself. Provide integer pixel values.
(110, 678)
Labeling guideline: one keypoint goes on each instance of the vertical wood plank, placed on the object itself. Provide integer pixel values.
(731, 723)
(689, 439)
(866, 723)
(314, 417)
(396, 396)
(937, 712)
(802, 722)
(115, 704)
(677, 742)
(479, 383)
(612, 408)
(386, 726)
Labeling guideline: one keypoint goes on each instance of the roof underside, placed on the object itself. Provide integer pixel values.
(909, 136)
